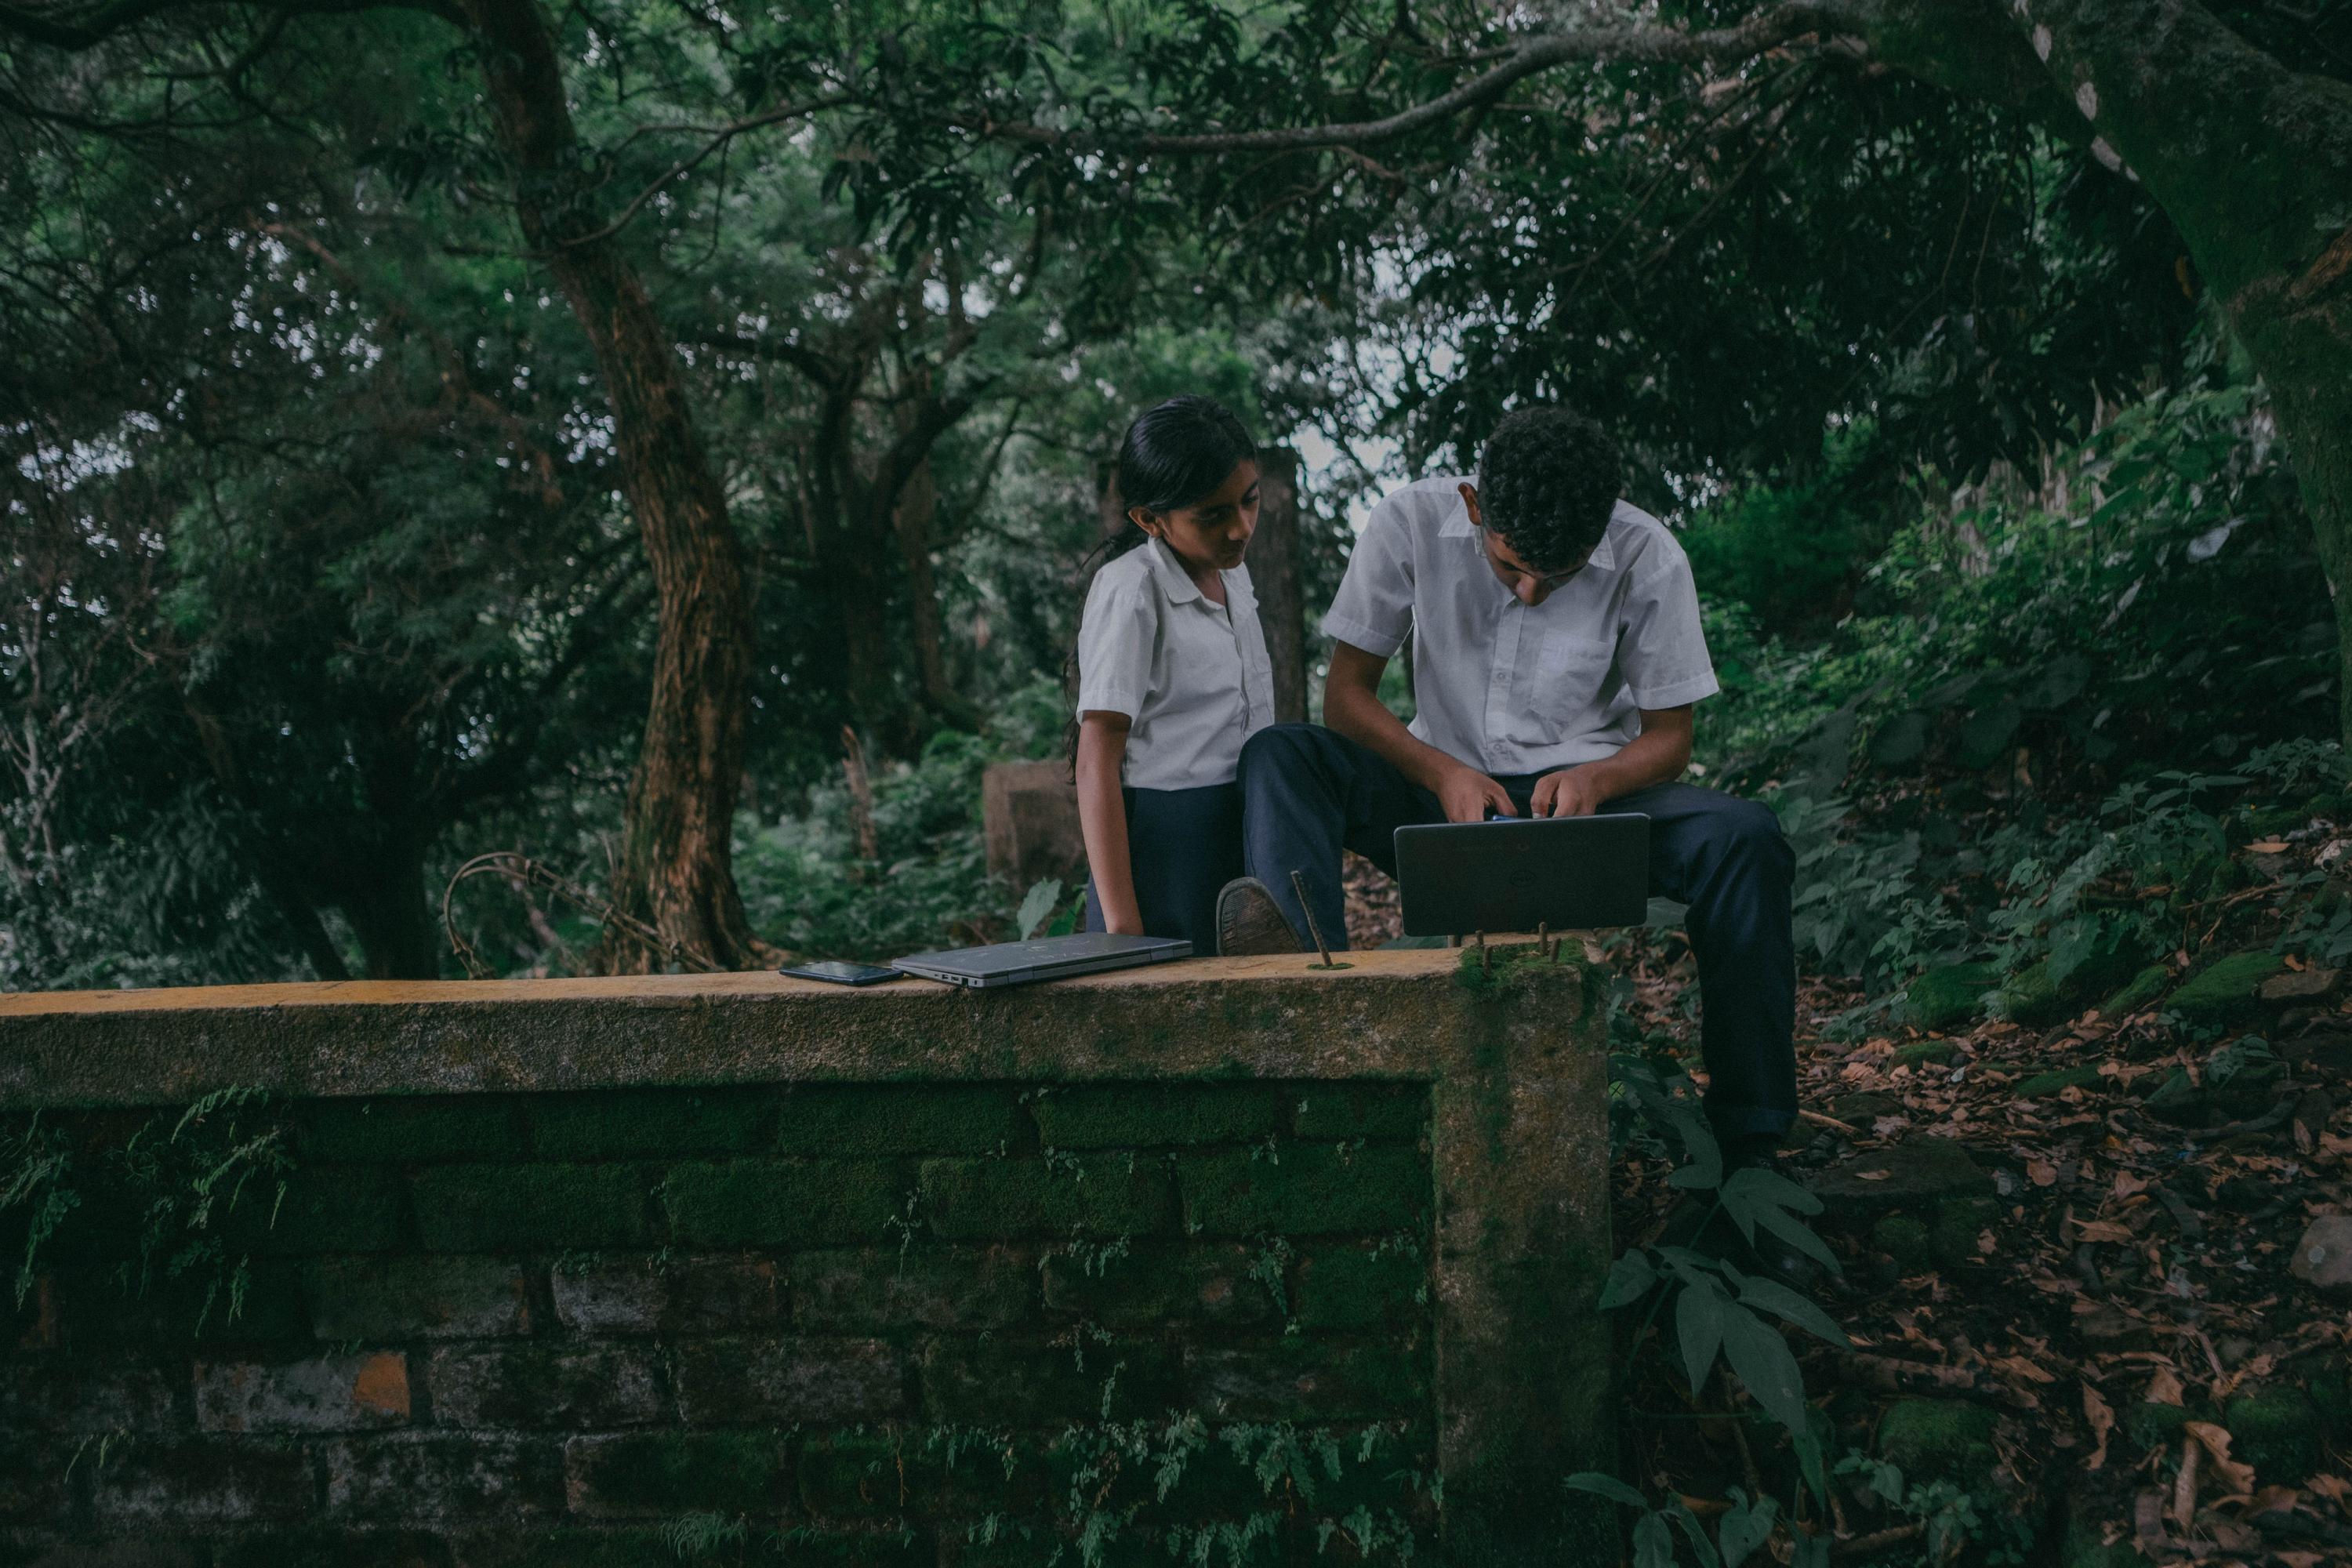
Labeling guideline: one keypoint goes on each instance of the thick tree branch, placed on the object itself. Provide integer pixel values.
(80, 28)
(720, 136)
(1633, 43)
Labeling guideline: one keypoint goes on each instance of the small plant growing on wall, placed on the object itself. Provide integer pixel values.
(182, 1175)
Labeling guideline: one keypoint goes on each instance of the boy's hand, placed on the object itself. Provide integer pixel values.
(1466, 793)
(1572, 792)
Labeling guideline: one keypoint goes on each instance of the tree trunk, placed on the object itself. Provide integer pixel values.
(918, 504)
(855, 580)
(2250, 159)
(385, 901)
(1274, 568)
(677, 862)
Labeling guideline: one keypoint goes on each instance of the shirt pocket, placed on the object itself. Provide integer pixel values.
(1569, 670)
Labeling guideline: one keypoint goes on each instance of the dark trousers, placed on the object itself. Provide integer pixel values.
(1184, 845)
(1308, 792)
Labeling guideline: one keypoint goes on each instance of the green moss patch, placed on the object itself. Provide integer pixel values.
(1095, 1194)
(2142, 990)
(2279, 1431)
(2225, 989)
(634, 1122)
(1942, 999)
(2041, 1085)
(1146, 1116)
(1939, 1439)
(2031, 997)
(901, 1118)
(1924, 1053)
(669, 1473)
(410, 1131)
(1399, 1111)
(785, 1203)
(520, 1208)
(1304, 1190)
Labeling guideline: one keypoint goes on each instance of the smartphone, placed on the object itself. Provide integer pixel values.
(840, 972)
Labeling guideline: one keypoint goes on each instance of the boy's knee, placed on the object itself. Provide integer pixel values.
(1750, 830)
(1278, 744)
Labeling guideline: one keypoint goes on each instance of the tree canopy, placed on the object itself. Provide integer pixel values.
(439, 427)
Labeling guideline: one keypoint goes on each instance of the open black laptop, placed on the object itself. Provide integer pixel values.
(1515, 874)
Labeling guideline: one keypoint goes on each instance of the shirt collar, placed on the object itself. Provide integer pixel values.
(1458, 524)
(1175, 583)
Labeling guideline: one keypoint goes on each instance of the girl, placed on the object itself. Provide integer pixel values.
(1172, 678)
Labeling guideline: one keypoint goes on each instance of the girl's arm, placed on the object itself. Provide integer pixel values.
(1102, 816)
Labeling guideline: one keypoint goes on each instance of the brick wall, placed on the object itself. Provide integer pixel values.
(931, 1324)
(586, 1272)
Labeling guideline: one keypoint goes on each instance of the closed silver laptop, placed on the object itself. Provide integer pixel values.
(1043, 958)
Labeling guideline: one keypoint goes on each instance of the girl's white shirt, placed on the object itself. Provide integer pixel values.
(1191, 674)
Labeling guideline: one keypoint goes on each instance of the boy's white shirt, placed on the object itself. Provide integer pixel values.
(1509, 689)
(1192, 676)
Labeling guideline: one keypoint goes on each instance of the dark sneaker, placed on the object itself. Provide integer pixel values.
(1249, 922)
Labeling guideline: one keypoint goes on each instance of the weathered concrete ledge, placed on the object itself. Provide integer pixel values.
(1387, 1015)
(1511, 1057)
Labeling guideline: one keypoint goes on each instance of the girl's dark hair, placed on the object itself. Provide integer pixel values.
(1175, 453)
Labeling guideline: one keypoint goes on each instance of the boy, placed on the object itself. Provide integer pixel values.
(1556, 653)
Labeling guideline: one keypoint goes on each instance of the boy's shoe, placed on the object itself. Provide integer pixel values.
(1250, 923)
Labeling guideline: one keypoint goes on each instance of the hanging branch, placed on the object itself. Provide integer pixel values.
(526, 871)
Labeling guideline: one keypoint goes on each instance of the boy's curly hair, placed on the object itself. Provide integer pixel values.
(1548, 479)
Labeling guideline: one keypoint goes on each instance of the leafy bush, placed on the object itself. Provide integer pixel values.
(2155, 595)
(807, 887)
(1791, 551)
(2033, 647)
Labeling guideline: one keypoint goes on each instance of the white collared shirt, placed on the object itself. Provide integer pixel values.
(1509, 689)
(1191, 674)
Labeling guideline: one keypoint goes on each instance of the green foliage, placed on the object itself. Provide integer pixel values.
(1949, 1510)
(2150, 600)
(35, 1165)
(177, 1181)
(1790, 548)
(694, 1535)
(193, 1179)
(806, 887)
(1721, 1316)
(2122, 614)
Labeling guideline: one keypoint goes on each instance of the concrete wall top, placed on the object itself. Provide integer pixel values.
(1387, 1013)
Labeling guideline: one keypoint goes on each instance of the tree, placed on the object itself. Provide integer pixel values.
(674, 869)
(300, 581)
(2248, 154)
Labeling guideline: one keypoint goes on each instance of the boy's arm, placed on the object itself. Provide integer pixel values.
(1102, 818)
(1352, 707)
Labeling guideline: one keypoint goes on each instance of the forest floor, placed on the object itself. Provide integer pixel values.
(2073, 1326)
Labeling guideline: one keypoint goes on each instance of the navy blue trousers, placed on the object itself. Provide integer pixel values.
(1308, 792)
(1184, 845)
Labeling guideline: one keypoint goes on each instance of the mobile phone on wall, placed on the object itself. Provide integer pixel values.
(840, 972)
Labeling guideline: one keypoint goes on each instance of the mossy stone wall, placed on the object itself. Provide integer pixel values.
(1251, 1256)
(869, 1314)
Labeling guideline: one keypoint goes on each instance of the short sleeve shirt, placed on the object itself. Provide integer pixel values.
(1191, 674)
(1510, 689)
